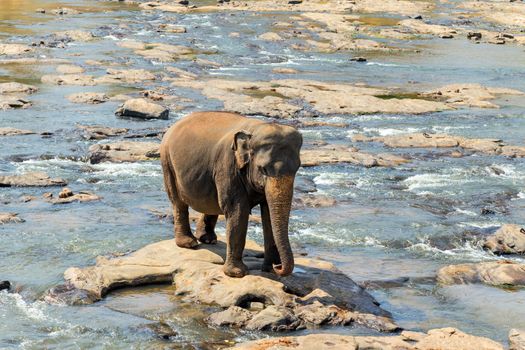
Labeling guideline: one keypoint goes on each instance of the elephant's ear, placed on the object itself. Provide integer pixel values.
(241, 147)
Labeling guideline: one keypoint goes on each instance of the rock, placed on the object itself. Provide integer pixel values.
(65, 11)
(171, 28)
(99, 132)
(516, 339)
(162, 330)
(74, 35)
(10, 218)
(341, 154)
(420, 27)
(67, 196)
(313, 201)
(12, 132)
(509, 239)
(8, 102)
(159, 51)
(124, 151)
(358, 59)
(69, 79)
(69, 69)
(14, 49)
(474, 36)
(5, 285)
(67, 294)
(30, 180)
(13, 87)
(270, 36)
(142, 108)
(442, 339)
(285, 71)
(88, 97)
(425, 140)
(494, 273)
(232, 316)
(471, 95)
(316, 293)
(130, 76)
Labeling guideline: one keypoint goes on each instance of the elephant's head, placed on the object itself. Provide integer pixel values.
(268, 155)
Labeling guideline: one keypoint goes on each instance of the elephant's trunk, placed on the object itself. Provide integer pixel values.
(279, 193)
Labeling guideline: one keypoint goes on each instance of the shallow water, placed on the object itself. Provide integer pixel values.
(389, 223)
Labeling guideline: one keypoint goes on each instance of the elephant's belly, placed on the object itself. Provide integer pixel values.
(201, 196)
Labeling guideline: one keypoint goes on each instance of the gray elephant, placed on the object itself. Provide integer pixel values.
(225, 163)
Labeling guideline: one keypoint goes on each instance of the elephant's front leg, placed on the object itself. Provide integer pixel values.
(236, 229)
(271, 255)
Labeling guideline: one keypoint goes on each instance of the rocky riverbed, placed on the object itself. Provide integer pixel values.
(408, 220)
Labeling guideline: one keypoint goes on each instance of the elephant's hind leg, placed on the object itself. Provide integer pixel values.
(205, 232)
(183, 236)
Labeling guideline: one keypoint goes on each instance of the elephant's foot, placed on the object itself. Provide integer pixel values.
(186, 241)
(235, 269)
(206, 237)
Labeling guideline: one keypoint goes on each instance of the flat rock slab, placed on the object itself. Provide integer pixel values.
(14, 49)
(509, 239)
(435, 339)
(124, 151)
(471, 95)
(10, 218)
(88, 97)
(14, 87)
(99, 132)
(13, 132)
(315, 294)
(425, 140)
(66, 196)
(143, 109)
(494, 273)
(332, 155)
(11, 102)
(32, 179)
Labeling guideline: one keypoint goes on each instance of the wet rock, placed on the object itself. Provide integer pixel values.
(159, 51)
(171, 28)
(313, 201)
(69, 79)
(315, 293)
(67, 196)
(162, 330)
(99, 132)
(471, 95)
(67, 294)
(143, 109)
(516, 339)
(233, 316)
(341, 154)
(65, 11)
(74, 35)
(304, 184)
(285, 71)
(494, 273)
(88, 97)
(442, 339)
(13, 132)
(358, 59)
(30, 179)
(14, 87)
(69, 69)
(270, 36)
(10, 218)
(130, 76)
(474, 36)
(14, 49)
(125, 151)
(5, 285)
(420, 27)
(509, 239)
(7, 102)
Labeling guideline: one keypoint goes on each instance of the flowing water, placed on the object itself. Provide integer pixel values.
(389, 223)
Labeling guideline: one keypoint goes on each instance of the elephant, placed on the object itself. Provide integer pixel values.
(225, 163)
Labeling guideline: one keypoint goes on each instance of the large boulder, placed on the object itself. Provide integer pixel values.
(435, 339)
(494, 273)
(315, 294)
(142, 108)
(30, 180)
(124, 151)
(509, 239)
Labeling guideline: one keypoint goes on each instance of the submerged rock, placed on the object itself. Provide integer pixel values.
(10, 218)
(69, 69)
(142, 108)
(99, 132)
(69, 79)
(30, 180)
(124, 151)
(435, 339)
(509, 239)
(494, 273)
(315, 294)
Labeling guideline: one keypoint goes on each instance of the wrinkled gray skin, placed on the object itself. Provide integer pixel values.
(224, 163)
